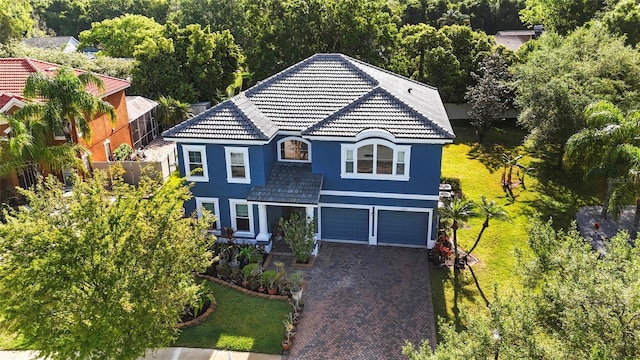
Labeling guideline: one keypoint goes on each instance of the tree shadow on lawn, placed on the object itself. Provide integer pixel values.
(506, 138)
(443, 281)
(561, 194)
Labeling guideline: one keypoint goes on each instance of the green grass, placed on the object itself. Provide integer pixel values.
(240, 323)
(550, 192)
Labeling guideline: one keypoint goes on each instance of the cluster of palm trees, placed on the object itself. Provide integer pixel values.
(609, 148)
(56, 105)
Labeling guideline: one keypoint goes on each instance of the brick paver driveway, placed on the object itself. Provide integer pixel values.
(363, 302)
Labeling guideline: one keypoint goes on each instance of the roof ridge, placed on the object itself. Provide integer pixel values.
(388, 72)
(31, 60)
(375, 91)
(242, 97)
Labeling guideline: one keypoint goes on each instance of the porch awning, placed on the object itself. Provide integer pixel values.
(289, 183)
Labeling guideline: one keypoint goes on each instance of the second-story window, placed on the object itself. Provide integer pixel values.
(375, 159)
(237, 160)
(195, 162)
(294, 149)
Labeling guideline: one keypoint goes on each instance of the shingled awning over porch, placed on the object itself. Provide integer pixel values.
(289, 183)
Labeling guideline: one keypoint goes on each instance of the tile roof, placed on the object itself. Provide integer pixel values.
(223, 121)
(291, 183)
(15, 71)
(377, 110)
(314, 92)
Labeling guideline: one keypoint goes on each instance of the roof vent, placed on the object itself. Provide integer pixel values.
(51, 68)
(409, 89)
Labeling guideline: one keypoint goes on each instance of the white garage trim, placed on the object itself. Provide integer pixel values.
(347, 206)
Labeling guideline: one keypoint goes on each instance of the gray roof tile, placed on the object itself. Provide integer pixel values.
(291, 183)
(307, 96)
(377, 110)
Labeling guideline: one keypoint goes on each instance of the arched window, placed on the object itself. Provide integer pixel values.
(375, 159)
(294, 149)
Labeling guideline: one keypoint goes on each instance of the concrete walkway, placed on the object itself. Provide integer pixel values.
(167, 354)
(363, 302)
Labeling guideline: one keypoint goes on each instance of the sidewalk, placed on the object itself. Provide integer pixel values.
(168, 354)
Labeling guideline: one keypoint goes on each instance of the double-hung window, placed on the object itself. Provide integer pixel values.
(237, 159)
(375, 159)
(195, 162)
(241, 217)
(211, 205)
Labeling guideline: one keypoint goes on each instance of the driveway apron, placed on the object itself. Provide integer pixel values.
(363, 302)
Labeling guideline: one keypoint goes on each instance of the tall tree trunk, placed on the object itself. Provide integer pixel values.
(454, 226)
(485, 225)
(607, 196)
(560, 157)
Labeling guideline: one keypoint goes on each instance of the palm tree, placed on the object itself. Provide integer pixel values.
(65, 105)
(490, 210)
(458, 211)
(454, 17)
(172, 111)
(28, 150)
(598, 147)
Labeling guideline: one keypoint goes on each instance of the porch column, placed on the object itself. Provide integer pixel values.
(263, 235)
(309, 213)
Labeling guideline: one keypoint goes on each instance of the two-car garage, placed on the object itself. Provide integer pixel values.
(375, 225)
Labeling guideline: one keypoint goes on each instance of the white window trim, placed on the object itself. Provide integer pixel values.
(234, 225)
(396, 148)
(199, 177)
(216, 208)
(228, 150)
(281, 141)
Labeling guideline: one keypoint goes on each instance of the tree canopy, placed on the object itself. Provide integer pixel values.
(120, 36)
(624, 19)
(15, 20)
(562, 75)
(189, 64)
(100, 274)
(572, 302)
(561, 16)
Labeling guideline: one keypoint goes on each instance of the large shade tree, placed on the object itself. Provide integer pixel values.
(15, 20)
(104, 273)
(561, 16)
(565, 74)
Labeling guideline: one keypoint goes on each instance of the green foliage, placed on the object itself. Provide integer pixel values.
(284, 32)
(67, 104)
(491, 96)
(15, 20)
(171, 111)
(102, 273)
(189, 64)
(563, 75)
(122, 152)
(119, 68)
(624, 19)
(218, 15)
(561, 16)
(120, 36)
(299, 234)
(444, 58)
(573, 302)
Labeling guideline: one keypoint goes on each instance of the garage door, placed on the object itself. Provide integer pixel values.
(403, 227)
(345, 224)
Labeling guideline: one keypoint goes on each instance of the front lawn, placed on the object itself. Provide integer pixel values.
(240, 323)
(550, 192)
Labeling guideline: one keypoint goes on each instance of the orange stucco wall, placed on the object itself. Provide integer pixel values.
(102, 129)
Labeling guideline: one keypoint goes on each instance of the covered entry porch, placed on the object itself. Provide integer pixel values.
(291, 188)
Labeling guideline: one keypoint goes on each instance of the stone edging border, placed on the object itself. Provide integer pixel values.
(244, 290)
(201, 318)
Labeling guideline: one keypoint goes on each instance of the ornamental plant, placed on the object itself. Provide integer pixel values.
(299, 234)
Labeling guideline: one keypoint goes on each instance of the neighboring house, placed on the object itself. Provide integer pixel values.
(357, 147)
(105, 135)
(513, 39)
(66, 44)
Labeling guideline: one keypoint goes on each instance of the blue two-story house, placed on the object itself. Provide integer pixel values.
(354, 146)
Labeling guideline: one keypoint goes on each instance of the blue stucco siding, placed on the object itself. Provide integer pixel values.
(424, 174)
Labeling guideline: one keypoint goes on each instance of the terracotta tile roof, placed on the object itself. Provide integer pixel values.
(15, 71)
(6, 97)
(325, 95)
